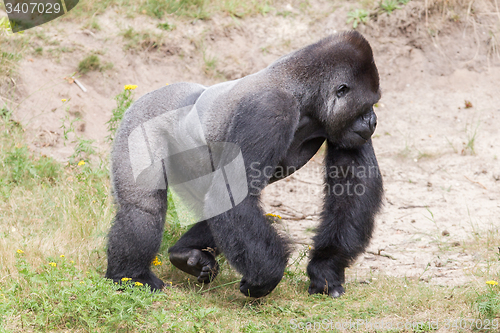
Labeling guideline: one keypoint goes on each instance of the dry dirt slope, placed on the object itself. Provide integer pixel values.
(440, 160)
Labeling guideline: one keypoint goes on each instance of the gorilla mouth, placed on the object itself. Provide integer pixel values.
(365, 137)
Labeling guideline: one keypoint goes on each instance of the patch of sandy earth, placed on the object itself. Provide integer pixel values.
(422, 121)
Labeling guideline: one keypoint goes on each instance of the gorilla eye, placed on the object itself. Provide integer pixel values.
(342, 90)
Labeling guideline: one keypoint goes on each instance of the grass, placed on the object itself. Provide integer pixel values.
(141, 40)
(89, 64)
(471, 131)
(191, 9)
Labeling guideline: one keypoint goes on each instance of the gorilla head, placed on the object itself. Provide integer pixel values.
(341, 86)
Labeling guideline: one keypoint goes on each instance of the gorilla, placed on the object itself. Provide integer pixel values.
(277, 119)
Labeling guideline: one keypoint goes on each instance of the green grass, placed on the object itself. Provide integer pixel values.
(89, 63)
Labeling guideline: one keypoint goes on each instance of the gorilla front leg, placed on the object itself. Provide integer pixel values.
(353, 195)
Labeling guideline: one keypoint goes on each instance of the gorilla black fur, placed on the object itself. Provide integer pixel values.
(279, 117)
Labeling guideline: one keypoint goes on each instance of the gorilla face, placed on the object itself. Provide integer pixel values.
(348, 86)
(350, 119)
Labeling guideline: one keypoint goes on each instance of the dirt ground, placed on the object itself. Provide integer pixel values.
(439, 159)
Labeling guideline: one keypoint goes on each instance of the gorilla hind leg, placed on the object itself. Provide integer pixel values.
(195, 252)
(134, 241)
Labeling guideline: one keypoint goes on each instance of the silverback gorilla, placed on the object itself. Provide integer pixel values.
(277, 118)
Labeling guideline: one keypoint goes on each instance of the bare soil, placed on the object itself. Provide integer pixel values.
(439, 159)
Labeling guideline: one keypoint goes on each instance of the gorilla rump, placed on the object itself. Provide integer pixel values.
(274, 119)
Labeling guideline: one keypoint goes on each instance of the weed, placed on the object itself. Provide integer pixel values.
(68, 128)
(90, 63)
(357, 16)
(83, 150)
(141, 40)
(166, 26)
(39, 51)
(471, 134)
(93, 24)
(488, 302)
(389, 5)
(123, 101)
(210, 64)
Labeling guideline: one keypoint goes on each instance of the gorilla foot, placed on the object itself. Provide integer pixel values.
(333, 291)
(261, 290)
(196, 262)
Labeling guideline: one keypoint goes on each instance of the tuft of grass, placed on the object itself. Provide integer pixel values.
(357, 16)
(166, 26)
(143, 41)
(471, 132)
(89, 63)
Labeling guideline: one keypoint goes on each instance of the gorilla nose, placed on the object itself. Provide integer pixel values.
(373, 122)
(366, 125)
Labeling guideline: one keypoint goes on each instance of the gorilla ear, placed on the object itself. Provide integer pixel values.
(342, 90)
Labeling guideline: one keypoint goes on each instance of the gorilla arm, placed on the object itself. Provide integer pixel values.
(353, 195)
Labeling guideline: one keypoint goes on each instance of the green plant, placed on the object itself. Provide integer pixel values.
(471, 133)
(123, 101)
(166, 26)
(389, 5)
(90, 63)
(357, 16)
(83, 150)
(24, 170)
(488, 303)
(68, 128)
(210, 64)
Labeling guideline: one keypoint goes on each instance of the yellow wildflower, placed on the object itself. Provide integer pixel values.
(273, 215)
(156, 262)
(72, 261)
(125, 279)
(138, 284)
(81, 282)
(20, 251)
(53, 264)
(492, 283)
(166, 84)
(64, 99)
(62, 256)
(130, 86)
(82, 162)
